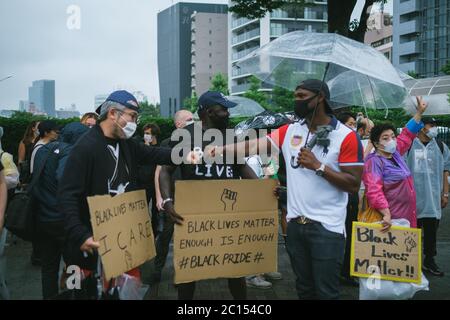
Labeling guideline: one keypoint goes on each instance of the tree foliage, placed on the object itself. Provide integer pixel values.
(220, 83)
(339, 13)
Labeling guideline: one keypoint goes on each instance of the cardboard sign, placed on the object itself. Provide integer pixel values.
(230, 229)
(394, 255)
(122, 226)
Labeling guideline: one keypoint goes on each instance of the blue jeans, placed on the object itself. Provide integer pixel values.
(316, 256)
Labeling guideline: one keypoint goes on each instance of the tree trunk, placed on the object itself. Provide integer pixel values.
(359, 33)
(339, 20)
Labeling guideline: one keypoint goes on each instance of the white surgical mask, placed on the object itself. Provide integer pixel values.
(391, 146)
(432, 133)
(129, 129)
(188, 123)
(148, 138)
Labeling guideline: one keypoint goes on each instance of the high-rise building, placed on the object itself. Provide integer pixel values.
(42, 94)
(209, 49)
(23, 105)
(421, 36)
(379, 33)
(174, 52)
(246, 35)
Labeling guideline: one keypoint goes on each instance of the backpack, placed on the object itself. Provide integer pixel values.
(21, 212)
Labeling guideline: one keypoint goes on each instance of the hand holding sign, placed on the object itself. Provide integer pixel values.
(90, 245)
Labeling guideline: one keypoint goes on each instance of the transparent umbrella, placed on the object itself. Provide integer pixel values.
(356, 73)
(245, 108)
(435, 91)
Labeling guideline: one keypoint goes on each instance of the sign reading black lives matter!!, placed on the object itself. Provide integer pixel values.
(394, 255)
(230, 229)
(122, 226)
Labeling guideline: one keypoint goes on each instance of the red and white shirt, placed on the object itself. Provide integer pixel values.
(310, 195)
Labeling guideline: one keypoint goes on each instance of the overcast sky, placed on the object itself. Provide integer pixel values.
(114, 47)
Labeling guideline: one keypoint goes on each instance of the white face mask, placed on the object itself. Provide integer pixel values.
(129, 129)
(188, 123)
(391, 146)
(432, 133)
(148, 138)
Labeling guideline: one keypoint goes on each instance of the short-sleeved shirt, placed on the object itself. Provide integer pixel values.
(310, 195)
(204, 171)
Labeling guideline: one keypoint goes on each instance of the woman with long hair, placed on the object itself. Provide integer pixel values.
(25, 150)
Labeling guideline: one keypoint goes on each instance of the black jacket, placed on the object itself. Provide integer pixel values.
(55, 155)
(85, 175)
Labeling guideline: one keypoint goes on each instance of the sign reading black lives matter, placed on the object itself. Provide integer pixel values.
(394, 255)
(230, 229)
(122, 226)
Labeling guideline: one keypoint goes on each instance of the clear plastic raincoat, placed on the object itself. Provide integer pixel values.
(427, 164)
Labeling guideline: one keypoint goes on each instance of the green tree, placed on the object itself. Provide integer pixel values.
(255, 94)
(220, 83)
(191, 103)
(413, 74)
(446, 69)
(149, 109)
(339, 13)
(283, 99)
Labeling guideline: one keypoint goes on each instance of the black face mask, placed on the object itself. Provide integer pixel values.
(302, 109)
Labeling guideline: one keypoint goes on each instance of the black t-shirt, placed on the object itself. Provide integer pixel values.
(119, 172)
(1, 166)
(205, 171)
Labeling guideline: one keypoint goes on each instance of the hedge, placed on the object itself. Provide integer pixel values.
(14, 129)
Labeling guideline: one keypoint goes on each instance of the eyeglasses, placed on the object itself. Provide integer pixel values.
(133, 115)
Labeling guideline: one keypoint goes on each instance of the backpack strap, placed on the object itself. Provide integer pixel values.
(36, 176)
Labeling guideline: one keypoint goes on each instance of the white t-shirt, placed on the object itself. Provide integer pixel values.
(310, 195)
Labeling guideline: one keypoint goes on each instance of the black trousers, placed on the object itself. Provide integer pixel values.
(237, 286)
(429, 228)
(50, 239)
(163, 243)
(352, 215)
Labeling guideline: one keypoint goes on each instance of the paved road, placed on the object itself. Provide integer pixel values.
(24, 279)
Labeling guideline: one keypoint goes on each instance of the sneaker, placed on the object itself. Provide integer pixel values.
(432, 268)
(273, 276)
(257, 282)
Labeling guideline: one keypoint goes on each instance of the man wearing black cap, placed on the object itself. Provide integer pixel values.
(319, 179)
(428, 160)
(213, 113)
(104, 161)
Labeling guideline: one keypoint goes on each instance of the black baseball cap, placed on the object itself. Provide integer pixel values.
(315, 86)
(212, 98)
(430, 120)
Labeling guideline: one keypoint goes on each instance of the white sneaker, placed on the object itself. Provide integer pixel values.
(273, 276)
(257, 282)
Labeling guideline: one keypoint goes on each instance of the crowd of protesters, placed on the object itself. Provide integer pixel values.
(361, 165)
